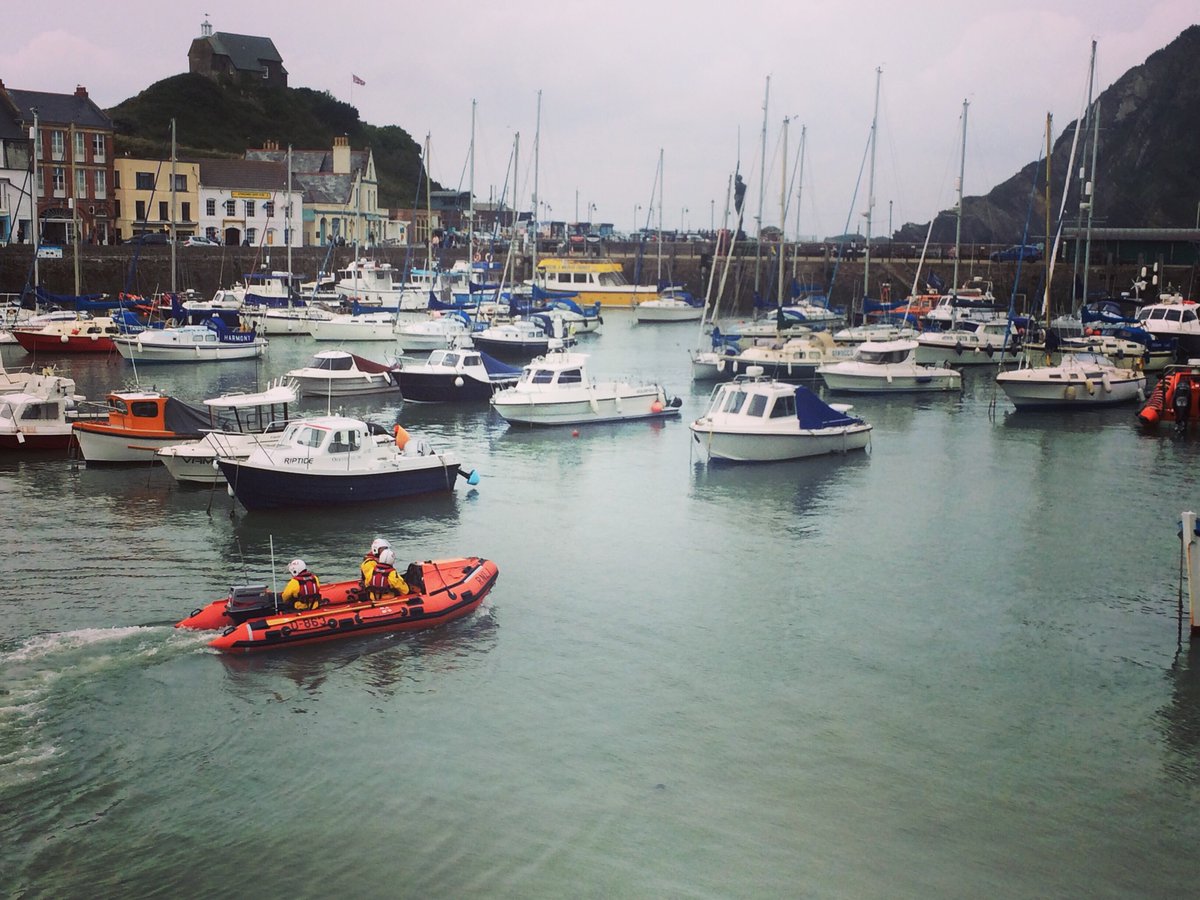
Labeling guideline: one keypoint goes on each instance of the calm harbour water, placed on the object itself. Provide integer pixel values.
(949, 667)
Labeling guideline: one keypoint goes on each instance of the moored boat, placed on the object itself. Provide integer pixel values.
(38, 421)
(555, 390)
(138, 424)
(1081, 380)
(450, 376)
(757, 419)
(240, 423)
(1175, 399)
(440, 592)
(214, 341)
(334, 460)
(338, 373)
(887, 367)
(591, 281)
(80, 334)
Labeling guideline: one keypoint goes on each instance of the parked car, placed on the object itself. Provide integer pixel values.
(150, 237)
(199, 240)
(1023, 252)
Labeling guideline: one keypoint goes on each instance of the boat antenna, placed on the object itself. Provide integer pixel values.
(274, 583)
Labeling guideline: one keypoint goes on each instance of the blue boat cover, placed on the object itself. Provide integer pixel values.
(495, 367)
(813, 412)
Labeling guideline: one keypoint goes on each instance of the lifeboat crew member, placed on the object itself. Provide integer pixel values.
(304, 590)
(369, 561)
(385, 580)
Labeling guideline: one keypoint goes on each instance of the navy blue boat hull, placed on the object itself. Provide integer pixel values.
(272, 489)
(423, 387)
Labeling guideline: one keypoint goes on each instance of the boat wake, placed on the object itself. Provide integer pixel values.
(47, 666)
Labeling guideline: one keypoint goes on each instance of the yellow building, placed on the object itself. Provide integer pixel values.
(144, 197)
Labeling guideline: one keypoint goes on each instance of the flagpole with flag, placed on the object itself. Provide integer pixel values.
(354, 79)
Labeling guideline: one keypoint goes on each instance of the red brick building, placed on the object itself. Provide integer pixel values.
(74, 154)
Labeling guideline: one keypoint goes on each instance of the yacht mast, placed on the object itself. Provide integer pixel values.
(962, 168)
(287, 219)
(173, 199)
(537, 139)
(762, 186)
(34, 193)
(660, 213)
(471, 195)
(783, 192)
(1091, 201)
(1081, 126)
(799, 192)
(1049, 253)
(871, 187)
(428, 207)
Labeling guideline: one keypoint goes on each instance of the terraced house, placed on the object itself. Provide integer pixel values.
(73, 153)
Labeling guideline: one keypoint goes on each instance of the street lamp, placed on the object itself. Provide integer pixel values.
(636, 209)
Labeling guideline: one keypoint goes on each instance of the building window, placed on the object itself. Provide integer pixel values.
(144, 181)
(185, 211)
(116, 179)
(101, 185)
(181, 182)
(37, 143)
(163, 214)
(97, 148)
(270, 237)
(269, 208)
(81, 183)
(230, 207)
(80, 147)
(251, 236)
(59, 177)
(56, 145)
(250, 210)
(140, 210)
(210, 207)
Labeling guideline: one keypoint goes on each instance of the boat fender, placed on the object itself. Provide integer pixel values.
(1069, 392)
(1107, 382)
(95, 336)
(64, 338)
(958, 349)
(656, 407)
(458, 381)
(1091, 388)
(401, 437)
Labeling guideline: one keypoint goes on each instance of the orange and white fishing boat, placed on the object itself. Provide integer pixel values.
(139, 423)
(251, 618)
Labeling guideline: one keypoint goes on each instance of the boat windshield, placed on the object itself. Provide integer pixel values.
(570, 376)
(332, 363)
(882, 357)
(307, 436)
(450, 359)
(734, 401)
(758, 405)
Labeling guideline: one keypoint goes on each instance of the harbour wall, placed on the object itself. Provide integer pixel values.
(146, 270)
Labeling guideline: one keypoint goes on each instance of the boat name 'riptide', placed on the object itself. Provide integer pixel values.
(298, 460)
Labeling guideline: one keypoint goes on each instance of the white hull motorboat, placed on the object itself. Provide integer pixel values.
(1080, 380)
(754, 419)
(887, 367)
(362, 327)
(210, 342)
(337, 373)
(555, 390)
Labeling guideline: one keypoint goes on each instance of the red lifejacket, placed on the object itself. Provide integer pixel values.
(379, 578)
(308, 585)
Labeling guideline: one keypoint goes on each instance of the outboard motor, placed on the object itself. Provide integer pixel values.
(1181, 404)
(248, 601)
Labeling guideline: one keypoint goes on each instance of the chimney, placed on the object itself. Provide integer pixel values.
(341, 155)
(81, 91)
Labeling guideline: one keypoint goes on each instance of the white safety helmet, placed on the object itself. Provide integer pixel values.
(296, 566)
(387, 557)
(377, 545)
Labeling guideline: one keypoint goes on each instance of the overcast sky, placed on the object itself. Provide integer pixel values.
(621, 80)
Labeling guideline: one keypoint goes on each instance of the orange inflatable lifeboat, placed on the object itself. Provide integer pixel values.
(1176, 398)
(441, 591)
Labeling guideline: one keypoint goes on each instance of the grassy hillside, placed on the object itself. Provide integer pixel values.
(214, 119)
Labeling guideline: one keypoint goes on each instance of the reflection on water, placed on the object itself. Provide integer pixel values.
(1181, 717)
(791, 492)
